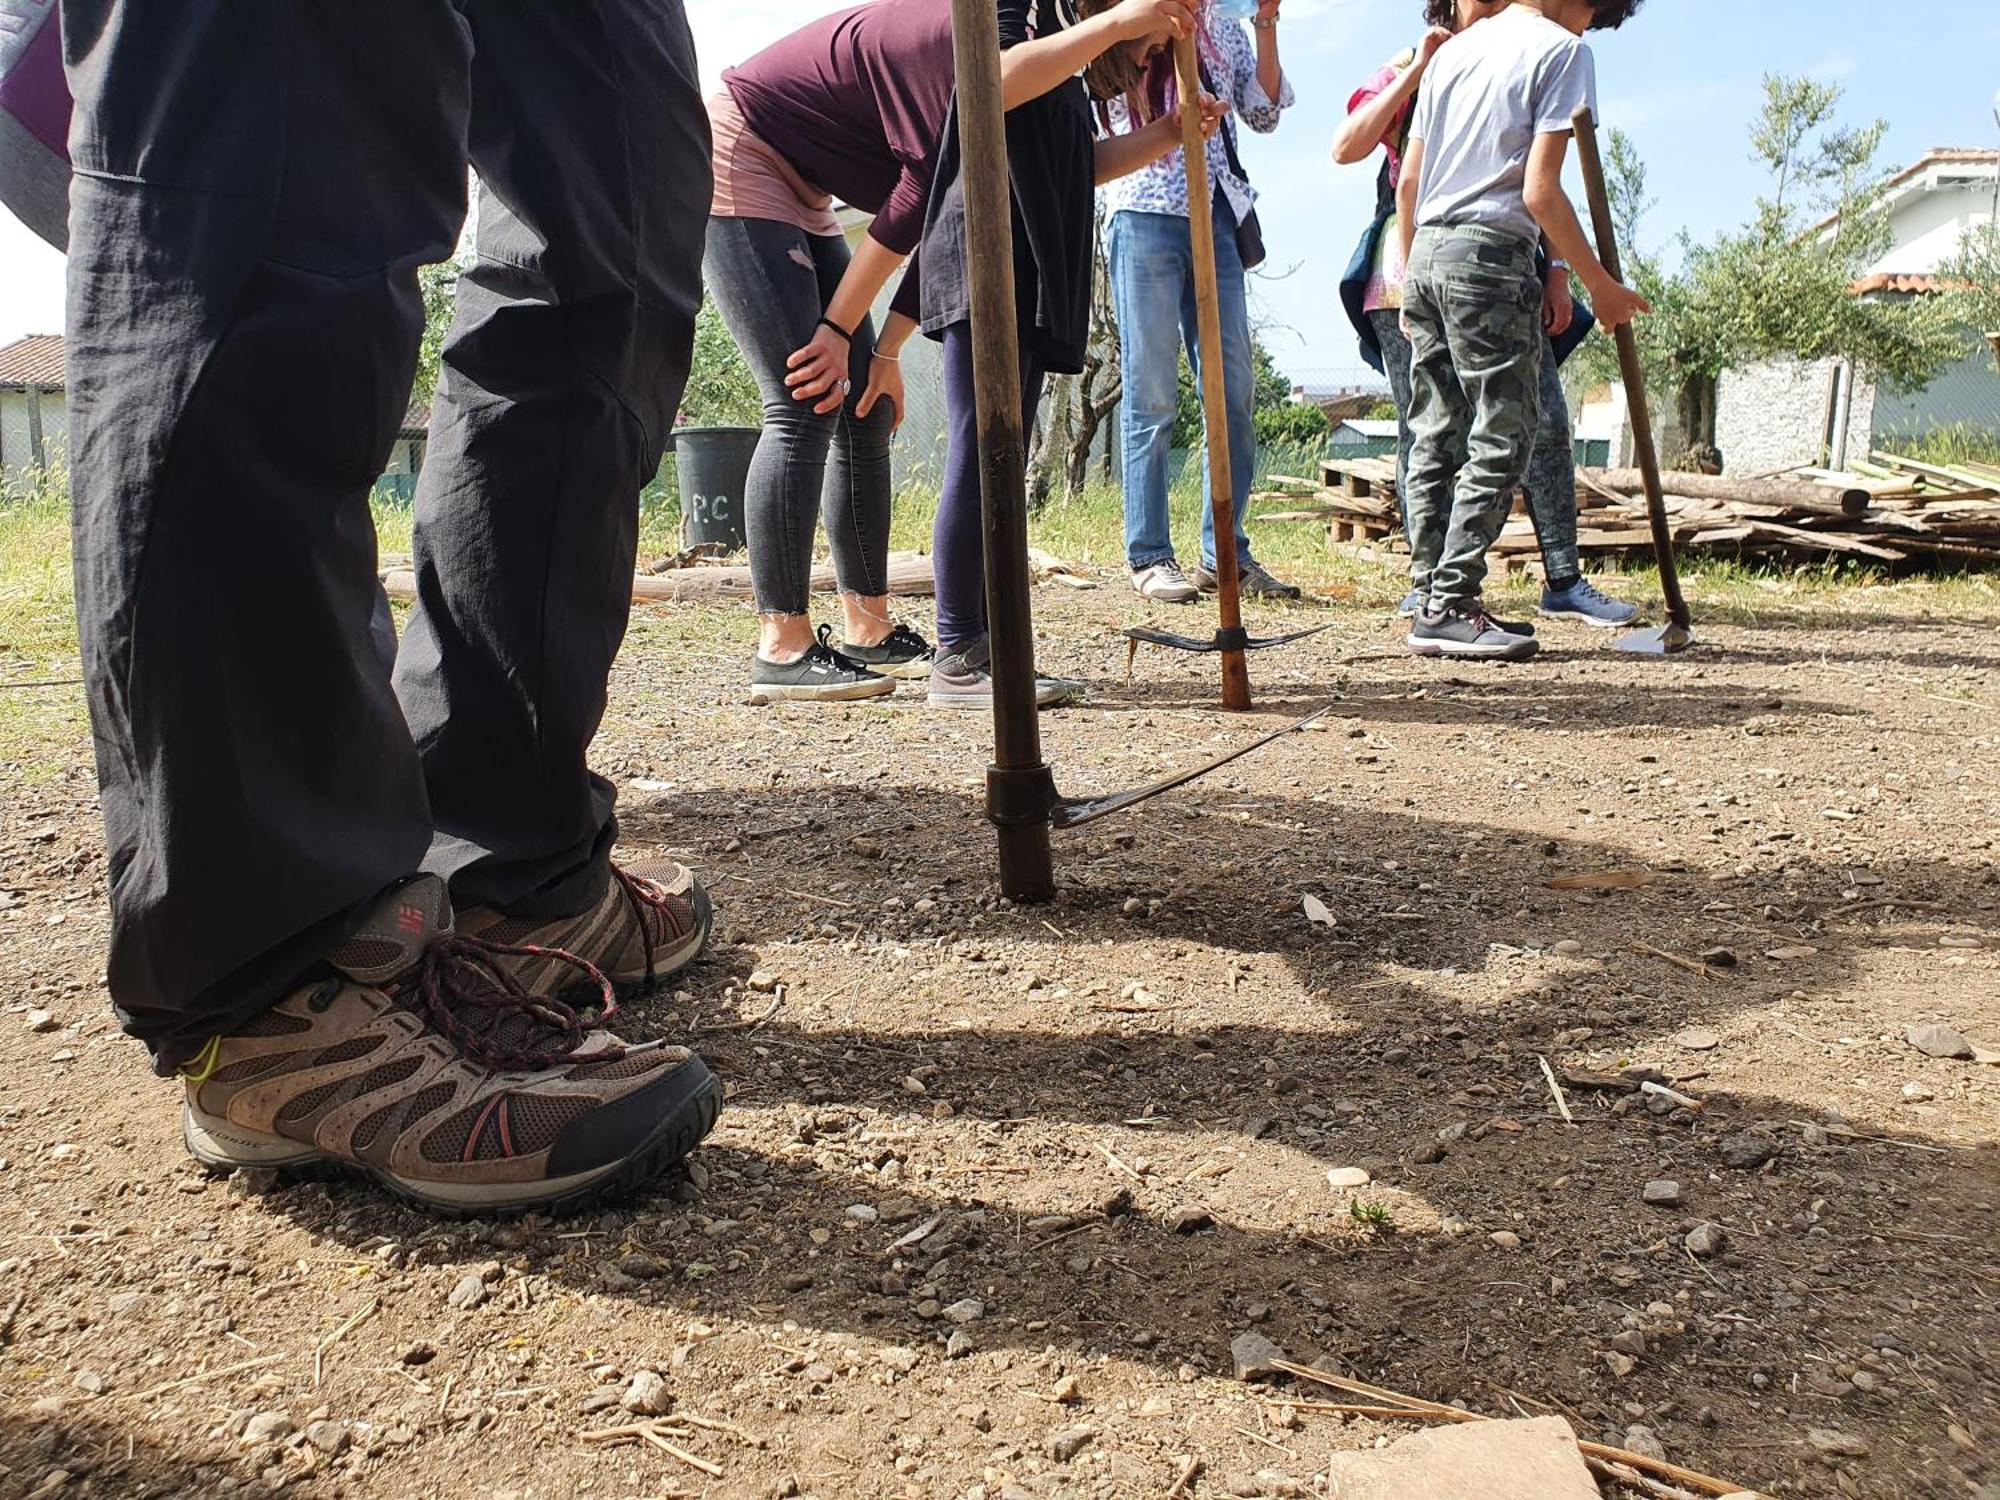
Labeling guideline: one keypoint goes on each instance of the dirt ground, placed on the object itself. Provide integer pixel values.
(996, 1188)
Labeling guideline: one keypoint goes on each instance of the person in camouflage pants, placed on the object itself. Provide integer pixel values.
(1472, 306)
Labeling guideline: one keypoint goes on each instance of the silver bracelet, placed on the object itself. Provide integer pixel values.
(1270, 25)
(894, 359)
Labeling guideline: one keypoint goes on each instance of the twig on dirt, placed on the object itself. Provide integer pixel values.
(7, 1319)
(777, 1004)
(188, 1380)
(49, 683)
(445, 1400)
(1705, 970)
(822, 900)
(1632, 1479)
(1112, 1157)
(709, 1424)
(1190, 1466)
(1556, 1092)
(652, 1435)
(319, 1350)
(1842, 1133)
(1672, 1096)
(1083, 1228)
(1258, 1437)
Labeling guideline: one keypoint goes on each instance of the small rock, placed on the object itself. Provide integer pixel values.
(1866, 1381)
(267, 1427)
(1629, 1341)
(329, 1438)
(468, 1294)
(900, 1358)
(863, 1213)
(646, 1395)
(1918, 1093)
(1064, 1445)
(1619, 1364)
(1937, 1040)
(1428, 1154)
(1506, 1239)
(41, 1020)
(1134, 907)
(1349, 1177)
(89, 1382)
(1830, 1444)
(1718, 958)
(1705, 1240)
(1958, 942)
(1186, 1219)
(966, 1310)
(1066, 1391)
(960, 1344)
(1255, 1356)
(1645, 1442)
(867, 848)
(1747, 1150)
(763, 981)
(1662, 1192)
(1568, 947)
(975, 1416)
(1697, 1041)
(418, 1354)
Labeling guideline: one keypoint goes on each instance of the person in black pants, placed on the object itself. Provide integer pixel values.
(255, 187)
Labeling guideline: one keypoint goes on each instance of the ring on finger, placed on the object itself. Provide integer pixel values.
(846, 386)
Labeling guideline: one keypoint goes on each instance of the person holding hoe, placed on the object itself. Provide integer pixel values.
(1151, 253)
(1481, 184)
(1379, 114)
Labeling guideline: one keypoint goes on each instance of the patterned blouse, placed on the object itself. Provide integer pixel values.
(1162, 188)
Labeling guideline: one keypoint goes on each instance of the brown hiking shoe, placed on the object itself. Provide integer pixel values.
(653, 919)
(424, 1065)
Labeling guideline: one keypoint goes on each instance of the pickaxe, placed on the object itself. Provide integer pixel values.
(1678, 633)
(1231, 641)
(1021, 798)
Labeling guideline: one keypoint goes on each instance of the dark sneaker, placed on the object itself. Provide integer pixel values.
(422, 1064)
(963, 680)
(653, 919)
(1254, 581)
(1164, 583)
(822, 675)
(1584, 601)
(902, 654)
(1411, 607)
(1467, 631)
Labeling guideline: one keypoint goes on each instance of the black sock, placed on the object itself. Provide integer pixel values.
(1563, 585)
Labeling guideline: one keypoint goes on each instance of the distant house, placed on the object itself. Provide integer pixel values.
(34, 418)
(1361, 437)
(1782, 413)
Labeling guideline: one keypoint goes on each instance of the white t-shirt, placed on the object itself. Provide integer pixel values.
(1489, 92)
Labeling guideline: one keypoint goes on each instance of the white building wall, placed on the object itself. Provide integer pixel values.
(1773, 415)
(1929, 227)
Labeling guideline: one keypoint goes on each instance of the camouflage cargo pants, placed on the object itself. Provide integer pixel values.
(1473, 304)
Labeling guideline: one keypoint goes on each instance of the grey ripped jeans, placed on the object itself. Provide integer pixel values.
(771, 282)
(1551, 481)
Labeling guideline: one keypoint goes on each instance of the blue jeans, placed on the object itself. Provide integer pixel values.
(1152, 288)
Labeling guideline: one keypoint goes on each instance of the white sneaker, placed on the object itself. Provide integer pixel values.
(1165, 583)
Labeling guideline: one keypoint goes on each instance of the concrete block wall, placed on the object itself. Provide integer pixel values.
(1773, 415)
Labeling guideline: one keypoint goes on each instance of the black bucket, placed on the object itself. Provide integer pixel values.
(713, 464)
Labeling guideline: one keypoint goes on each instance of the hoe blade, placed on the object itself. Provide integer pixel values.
(1669, 639)
(1074, 812)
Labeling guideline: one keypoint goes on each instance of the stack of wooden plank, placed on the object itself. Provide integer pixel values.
(1891, 511)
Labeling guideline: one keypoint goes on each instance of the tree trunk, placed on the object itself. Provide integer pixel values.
(1052, 440)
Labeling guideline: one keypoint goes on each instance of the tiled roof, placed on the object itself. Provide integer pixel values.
(35, 360)
(1908, 286)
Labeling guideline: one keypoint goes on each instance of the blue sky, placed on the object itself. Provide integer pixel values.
(1682, 79)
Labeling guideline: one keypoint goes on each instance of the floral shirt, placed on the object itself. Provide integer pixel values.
(1162, 188)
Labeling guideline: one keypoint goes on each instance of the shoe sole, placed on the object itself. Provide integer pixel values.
(914, 670)
(1582, 619)
(224, 1149)
(1173, 596)
(764, 694)
(1521, 649)
(985, 704)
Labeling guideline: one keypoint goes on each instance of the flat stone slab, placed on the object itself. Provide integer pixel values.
(1527, 1460)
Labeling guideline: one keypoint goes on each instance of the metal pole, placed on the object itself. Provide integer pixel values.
(1020, 791)
(1214, 394)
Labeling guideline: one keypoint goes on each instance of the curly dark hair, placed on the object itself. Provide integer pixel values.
(1609, 15)
(1440, 12)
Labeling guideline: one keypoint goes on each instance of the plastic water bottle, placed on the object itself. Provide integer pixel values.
(1234, 10)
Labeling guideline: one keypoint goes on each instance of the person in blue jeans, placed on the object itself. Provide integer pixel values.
(1152, 289)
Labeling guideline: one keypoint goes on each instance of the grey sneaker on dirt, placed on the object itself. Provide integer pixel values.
(1584, 601)
(1164, 583)
(901, 654)
(421, 1064)
(1254, 581)
(964, 680)
(822, 675)
(653, 919)
(1466, 631)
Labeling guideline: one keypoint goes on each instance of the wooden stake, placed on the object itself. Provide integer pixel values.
(1017, 779)
(1214, 394)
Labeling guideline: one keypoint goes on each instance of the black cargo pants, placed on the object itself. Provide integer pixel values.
(257, 182)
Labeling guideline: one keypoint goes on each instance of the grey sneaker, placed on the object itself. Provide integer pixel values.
(902, 653)
(1165, 583)
(822, 675)
(964, 680)
(1253, 579)
(1411, 607)
(1466, 631)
